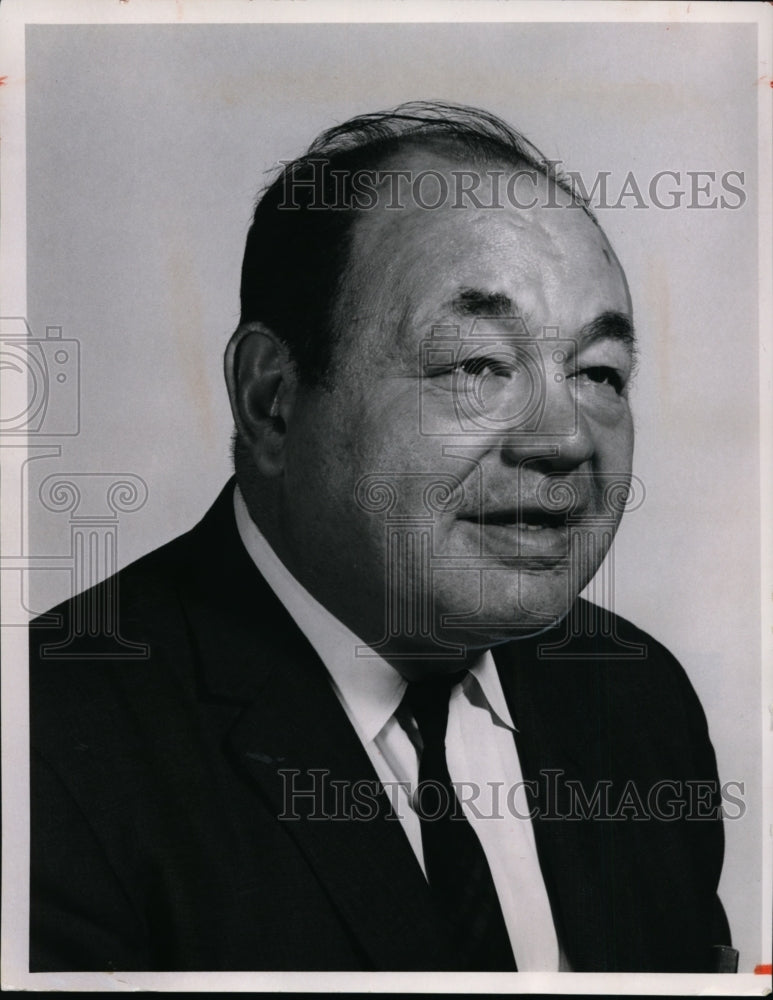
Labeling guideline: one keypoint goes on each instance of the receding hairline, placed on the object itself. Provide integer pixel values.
(460, 136)
(446, 156)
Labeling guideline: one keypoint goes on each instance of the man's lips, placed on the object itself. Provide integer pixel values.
(522, 532)
(526, 518)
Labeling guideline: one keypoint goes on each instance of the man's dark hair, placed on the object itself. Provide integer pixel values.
(298, 243)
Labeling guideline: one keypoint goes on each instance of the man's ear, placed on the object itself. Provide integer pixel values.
(262, 383)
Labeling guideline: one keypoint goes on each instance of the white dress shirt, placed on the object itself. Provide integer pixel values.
(480, 751)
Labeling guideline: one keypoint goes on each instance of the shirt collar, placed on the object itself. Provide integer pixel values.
(485, 673)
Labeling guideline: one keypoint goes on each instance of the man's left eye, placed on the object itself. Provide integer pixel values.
(602, 375)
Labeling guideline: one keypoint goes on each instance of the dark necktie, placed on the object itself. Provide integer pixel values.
(456, 865)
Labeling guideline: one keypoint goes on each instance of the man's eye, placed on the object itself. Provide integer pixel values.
(603, 375)
(486, 364)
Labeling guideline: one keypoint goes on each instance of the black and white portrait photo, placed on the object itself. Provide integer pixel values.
(386, 496)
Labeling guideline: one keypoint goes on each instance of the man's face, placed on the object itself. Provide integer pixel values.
(453, 483)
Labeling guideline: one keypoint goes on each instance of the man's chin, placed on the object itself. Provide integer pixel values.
(505, 602)
(475, 609)
(482, 632)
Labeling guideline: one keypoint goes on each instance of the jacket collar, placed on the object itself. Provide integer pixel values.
(287, 730)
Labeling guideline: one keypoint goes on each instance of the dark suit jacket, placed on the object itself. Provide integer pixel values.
(162, 833)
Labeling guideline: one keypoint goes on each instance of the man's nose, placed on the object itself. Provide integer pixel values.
(556, 435)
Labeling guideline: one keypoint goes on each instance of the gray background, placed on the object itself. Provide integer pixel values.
(146, 146)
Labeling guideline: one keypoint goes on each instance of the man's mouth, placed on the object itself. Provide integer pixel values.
(521, 533)
(525, 519)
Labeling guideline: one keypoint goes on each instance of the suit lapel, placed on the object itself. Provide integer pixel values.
(556, 740)
(563, 713)
(296, 740)
(287, 732)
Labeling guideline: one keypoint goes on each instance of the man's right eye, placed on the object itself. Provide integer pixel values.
(487, 364)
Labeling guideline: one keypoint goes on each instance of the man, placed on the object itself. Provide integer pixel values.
(376, 727)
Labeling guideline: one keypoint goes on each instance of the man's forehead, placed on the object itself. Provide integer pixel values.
(442, 172)
(423, 262)
(423, 195)
(408, 264)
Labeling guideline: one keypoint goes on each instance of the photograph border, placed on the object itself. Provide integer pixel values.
(15, 16)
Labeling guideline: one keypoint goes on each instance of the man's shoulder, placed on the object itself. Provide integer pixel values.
(116, 635)
(146, 591)
(609, 632)
(133, 629)
(615, 647)
(109, 620)
(190, 619)
(597, 667)
(629, 655)
(593, 635)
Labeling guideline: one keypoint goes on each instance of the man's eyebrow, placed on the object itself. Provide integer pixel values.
(483, 304)
(609, 325)
(480, 303)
